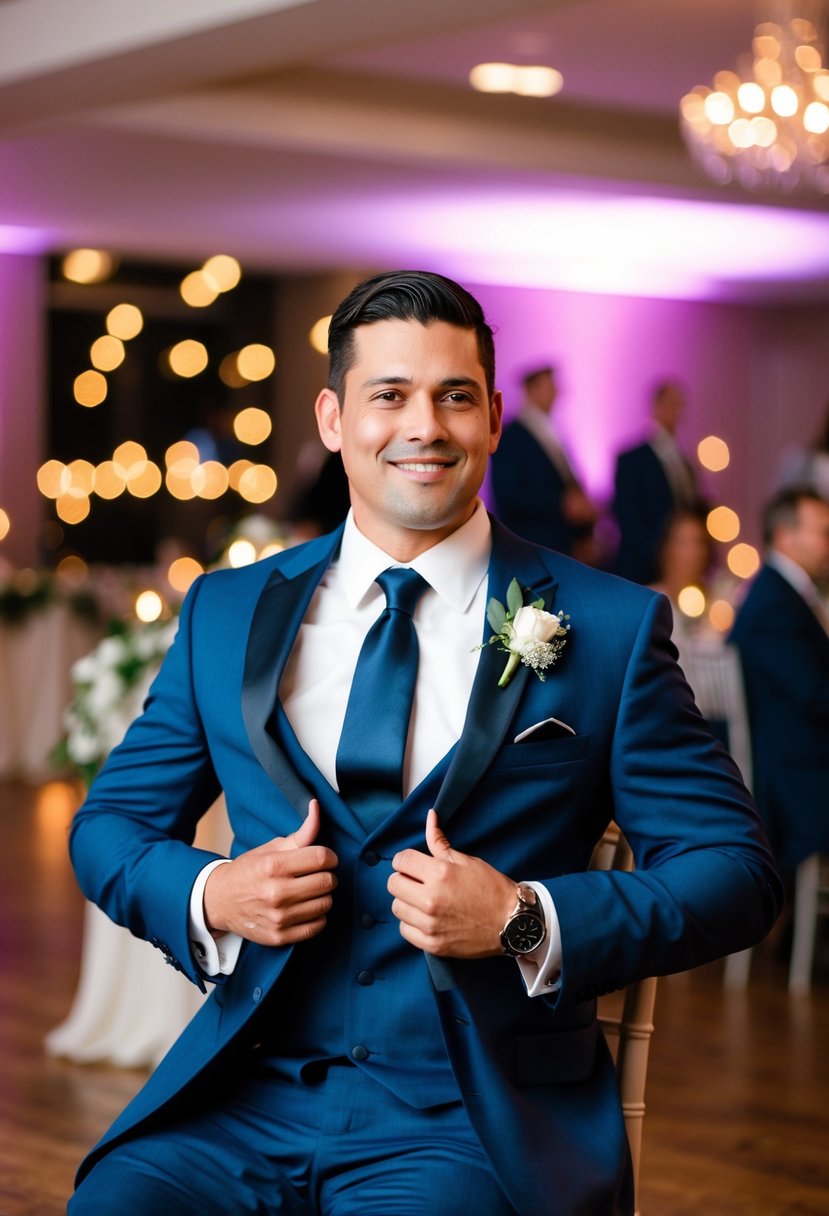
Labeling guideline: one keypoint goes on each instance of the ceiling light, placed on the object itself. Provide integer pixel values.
(767, 125)
(527, 80)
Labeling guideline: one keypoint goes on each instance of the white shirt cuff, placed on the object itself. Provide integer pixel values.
(541, 970)
(214, 955)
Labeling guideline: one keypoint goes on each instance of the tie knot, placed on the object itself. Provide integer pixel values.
(402, 587)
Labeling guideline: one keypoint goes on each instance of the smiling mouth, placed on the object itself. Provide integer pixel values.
(423, 466)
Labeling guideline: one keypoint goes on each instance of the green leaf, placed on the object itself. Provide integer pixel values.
(539, 603)
(515, 597)
(496, 614)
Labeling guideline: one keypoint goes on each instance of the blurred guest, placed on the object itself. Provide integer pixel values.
(537, 493)
(809, 466)
(684, 564)
(780, 632)
(653, 479)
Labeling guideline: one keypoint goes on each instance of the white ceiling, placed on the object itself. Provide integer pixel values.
(341, 133)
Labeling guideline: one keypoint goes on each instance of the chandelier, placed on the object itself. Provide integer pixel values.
(766, 124)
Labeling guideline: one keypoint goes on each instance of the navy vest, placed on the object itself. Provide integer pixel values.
(359, 991)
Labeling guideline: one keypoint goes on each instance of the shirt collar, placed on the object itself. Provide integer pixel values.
(454, 567)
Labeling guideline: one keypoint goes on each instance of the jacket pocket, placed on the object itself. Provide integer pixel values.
(562, 750)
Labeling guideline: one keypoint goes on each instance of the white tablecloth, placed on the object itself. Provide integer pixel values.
(130, 1006)
(36, 657)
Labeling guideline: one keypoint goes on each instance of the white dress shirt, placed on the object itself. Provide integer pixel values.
(314, 690)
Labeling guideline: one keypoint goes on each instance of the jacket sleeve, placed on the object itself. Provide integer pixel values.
(131, 841)
(705, 883)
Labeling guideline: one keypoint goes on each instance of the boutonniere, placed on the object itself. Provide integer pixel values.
(525, 632)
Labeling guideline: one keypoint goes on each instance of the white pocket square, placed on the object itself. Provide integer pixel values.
(547, 728)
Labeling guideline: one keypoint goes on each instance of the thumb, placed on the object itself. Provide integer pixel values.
(307, 831)
(436, 841)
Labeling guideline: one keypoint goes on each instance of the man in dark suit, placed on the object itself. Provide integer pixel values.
(653, 480)
(780, 631)
(537, 493)
(407, 949)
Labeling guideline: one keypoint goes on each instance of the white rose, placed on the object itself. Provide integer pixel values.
(533, 625)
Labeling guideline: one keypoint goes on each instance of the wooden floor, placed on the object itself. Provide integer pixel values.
(738, 1090)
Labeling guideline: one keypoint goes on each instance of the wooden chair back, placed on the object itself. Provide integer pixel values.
(630, 1030)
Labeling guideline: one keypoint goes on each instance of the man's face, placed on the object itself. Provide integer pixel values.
(669, 407)
(807, 543)
(415, 429)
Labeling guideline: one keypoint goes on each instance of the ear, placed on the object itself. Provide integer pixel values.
(496, 412)
(327, 410)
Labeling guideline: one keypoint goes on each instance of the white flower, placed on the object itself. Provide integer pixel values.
(525, 632)
(533, 625)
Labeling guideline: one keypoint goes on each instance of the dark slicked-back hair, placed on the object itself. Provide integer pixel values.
(405, 295)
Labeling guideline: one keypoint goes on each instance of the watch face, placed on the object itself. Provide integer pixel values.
(524, 932)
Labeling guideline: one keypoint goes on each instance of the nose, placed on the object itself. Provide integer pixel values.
(424, 420)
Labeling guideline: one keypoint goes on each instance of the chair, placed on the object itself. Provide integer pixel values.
(716, 678)
(811, 899)
(632, 1029)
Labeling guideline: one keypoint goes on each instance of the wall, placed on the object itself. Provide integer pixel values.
(22, 363)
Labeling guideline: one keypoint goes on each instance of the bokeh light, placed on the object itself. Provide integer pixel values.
(5, 524)
(183, 572)
(124, 321)
(87, 266)
(528, 80)
(318, 334)
(241, 553)
(90, 389)
(187, 358)
(106, 353)
(713, 453)
(53, 479)
(743, 560)
(222, 271)
(147, 482)
(130, 459)
(210, 480)
(258, 483)
(71, 508)
(229, 373)
(691, 601)
(72, 568)
(255, 361)
(197, 290)
(109, 480)
(721, 616)
(252, 425)
(81, 478)
(148, 606)
(723, 524)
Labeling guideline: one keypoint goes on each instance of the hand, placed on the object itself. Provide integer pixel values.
(278, 894)
(449, 903)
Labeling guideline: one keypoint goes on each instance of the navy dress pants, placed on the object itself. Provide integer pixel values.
(343, 1146)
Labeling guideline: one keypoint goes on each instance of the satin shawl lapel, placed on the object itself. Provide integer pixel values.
(276, 621)
(491, 709)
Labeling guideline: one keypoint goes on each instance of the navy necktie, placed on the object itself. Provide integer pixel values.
(373, 739)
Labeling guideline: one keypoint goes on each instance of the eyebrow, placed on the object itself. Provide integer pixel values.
(449, 382)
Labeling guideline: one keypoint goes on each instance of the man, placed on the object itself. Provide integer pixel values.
(398, 1028)
(536, 491)
(653, 480)
(780, 631)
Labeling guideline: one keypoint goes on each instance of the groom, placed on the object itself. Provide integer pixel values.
(406, 947)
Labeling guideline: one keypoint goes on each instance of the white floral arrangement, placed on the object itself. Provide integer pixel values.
(110, 685)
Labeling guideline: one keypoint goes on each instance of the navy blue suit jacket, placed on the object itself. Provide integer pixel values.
(642, 503)
(534, 1074)
(528, 490)
(785, 657)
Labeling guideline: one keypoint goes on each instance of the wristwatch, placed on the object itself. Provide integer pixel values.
(525, 928)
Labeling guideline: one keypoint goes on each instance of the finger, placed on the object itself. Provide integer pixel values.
(307, 831)
(436, 841)
(412, 863)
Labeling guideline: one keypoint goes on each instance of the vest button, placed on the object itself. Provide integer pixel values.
(257, 995)
(367, 921)
(359, 1052)
(365, 978)
(371, 858)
